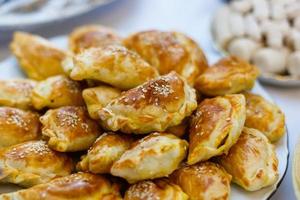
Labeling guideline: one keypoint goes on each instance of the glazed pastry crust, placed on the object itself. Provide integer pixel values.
(98, 97)
(161, 189)
(156, 155)
(56, 91)
(79, 186)
(112, 64)
(154, 106)
(205, 180)
(88, 36)
(107, 149)
(40, 59)
(228, 76)
(17, 126)
(16, 93)
(69, 129)
(264, 116)
(216, 126)
(32, 163)
(169, 51)
(252, 161)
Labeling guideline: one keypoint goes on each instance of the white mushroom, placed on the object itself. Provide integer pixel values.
(292, 10)
(293, 64)
(293, 39)
(221, 29)
(252, 28)
(243, 48)
(260, 9)
(241, 6)
(297, 23)
(274, 38)
(277, 11)
(236, 23)
(270, 60)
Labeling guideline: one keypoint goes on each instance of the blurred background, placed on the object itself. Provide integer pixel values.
(59, 17)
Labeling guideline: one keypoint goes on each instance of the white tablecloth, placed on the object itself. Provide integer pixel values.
(191, 17)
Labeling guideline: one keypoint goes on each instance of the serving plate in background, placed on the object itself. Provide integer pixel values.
(9, 69)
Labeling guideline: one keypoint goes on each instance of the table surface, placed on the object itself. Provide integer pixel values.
(192, 17)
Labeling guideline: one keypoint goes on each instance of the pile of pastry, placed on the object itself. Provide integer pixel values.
(140, 117)
(265, 32)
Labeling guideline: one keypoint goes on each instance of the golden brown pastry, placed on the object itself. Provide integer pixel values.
(264, 116)
(161, 189)
(107, 149)
(17, 126)
(69, 129)
(154, 106)
(228, 76)
(88, 36)
(16, 93)
(156, 155)
(252, 161)
(79, 186)
(216, 126)
(98, 97)
(205, 180)
(37, 56)
(55, 92)
(169, 51)
(112, 64)
(32, 163)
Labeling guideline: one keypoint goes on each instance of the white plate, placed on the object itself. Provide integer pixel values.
(53, 11)
(9, 69)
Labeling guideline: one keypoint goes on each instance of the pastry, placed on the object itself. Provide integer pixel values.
(161, 189)
(252, 161)
(169, 51)
(228, 76)
(41, 59)
(216, 126)
(32, 163)
(69, 129)
(107, 149)
(112, 64)
(98, 97)
(17, 126)
(79, 186)
(154, 106)
(156, 155)
(88, 36)
(16, 93)
(55, 92)
(264, 116)
(205, 180)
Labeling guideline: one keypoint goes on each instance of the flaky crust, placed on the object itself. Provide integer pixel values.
(112, 64)
(40, 59)
(69, 129)
(32, 163)
(216, 126)
(156, 155)
(161, 189)
(17, 126)
(98, 97)
(252, 161)
(107, 149)
(16, 93)
(87, 36)
(79, 186)
(228, 76)
(264, 116)
(55, 92)
(205, 180)
(169, 51)
(154, 106)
